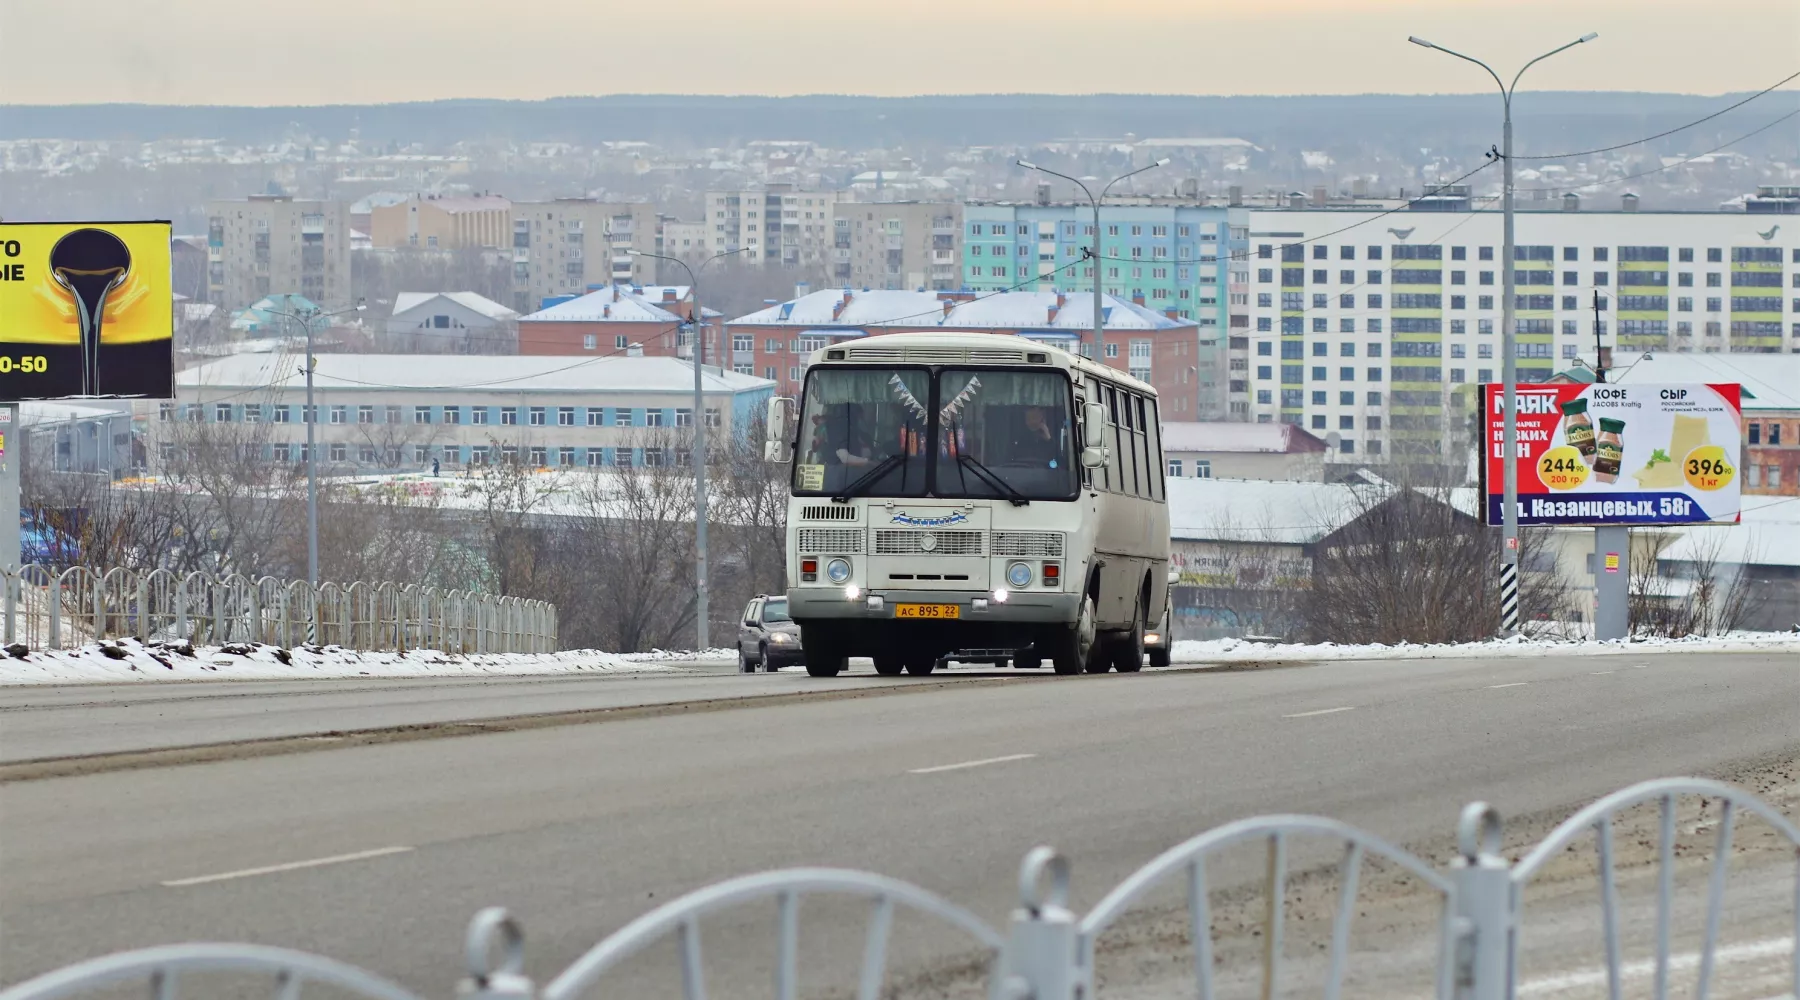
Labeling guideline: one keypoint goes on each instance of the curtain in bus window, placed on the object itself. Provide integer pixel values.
(1003, 433)
(864, 422)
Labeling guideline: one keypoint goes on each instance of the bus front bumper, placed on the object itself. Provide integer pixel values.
(972, 607)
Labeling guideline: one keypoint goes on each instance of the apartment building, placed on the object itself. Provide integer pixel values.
(1366, 324)
(271, 244)
(392, 412)
(777, 341)
(908, 245)
(1165, 253)
(433, 222)
(686, 240)
(563, 247)
(774, 225)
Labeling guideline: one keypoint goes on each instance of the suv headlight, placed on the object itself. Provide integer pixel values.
(780, 637)
(837, 570)
(1018, 575)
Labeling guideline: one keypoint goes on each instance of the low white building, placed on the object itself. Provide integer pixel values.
(1227, 450)
(389, 411)
(451, 323)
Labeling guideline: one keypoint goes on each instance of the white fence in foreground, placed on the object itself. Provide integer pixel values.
(1048, 951)
(52, 609)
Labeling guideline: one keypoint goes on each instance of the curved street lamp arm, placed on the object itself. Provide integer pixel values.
(1134, 173)
(1590, 36)
(1066, 177)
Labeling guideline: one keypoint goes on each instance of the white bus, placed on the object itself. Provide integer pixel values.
(957, 492)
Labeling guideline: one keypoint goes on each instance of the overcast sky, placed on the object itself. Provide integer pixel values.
(369, 51)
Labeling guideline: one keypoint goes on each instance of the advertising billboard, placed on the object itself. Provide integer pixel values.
(1611, 454)
(85, 310)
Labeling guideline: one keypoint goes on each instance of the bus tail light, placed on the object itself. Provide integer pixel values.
(809, 570)
(1052, 575)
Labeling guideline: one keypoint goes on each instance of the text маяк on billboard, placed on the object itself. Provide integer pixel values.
(1617, 454)
(85, 310)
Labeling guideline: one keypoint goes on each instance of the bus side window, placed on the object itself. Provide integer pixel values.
(1120, 440)
(1153, 455)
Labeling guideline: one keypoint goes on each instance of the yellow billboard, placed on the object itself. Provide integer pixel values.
(85, 310)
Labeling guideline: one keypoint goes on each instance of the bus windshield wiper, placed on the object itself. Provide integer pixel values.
(881, 468)
(993, 479)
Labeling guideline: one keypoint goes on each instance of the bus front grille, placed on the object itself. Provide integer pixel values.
(831, 541)
(896, 542)
(1028, 543)
(829, 512)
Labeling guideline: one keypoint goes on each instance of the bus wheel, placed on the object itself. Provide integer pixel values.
(1127, 649)
(1071, 649)
(920, 664)
(889, 665)
(824, 657)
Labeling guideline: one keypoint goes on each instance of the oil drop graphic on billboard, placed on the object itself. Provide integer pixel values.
(85, 310)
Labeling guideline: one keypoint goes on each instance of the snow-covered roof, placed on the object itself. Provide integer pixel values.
(1773, 379)
(1223, 436)
(1280, 513)
(1768, 535)
(407, 301)
(607, 305)
(843, 307)
(476, 373)
(34, 413)
(1253, 510)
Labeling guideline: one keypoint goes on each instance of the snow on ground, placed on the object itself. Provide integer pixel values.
(131, 661)
(1236, 650)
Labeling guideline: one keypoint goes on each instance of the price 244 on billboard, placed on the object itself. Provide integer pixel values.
(85, 310)
(1617, 454)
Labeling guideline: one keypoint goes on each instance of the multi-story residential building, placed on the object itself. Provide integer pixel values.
(618, 318)
(686, 240)
(775, 225)
(1168, 254)
(391, 411)
(777, 341)
(1365, 324)
(908, 245)
(270, 244)
(566, 246)
(442, 223)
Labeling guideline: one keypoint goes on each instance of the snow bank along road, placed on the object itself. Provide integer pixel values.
(378, 854)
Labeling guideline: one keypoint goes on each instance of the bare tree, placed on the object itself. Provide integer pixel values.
(1701, 595)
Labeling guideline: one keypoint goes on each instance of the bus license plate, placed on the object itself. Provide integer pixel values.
(927, 611)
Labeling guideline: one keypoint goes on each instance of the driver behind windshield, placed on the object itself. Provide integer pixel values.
(1036, 442)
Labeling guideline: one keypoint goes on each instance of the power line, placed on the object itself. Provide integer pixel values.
(1671, 166)
(1659, 135)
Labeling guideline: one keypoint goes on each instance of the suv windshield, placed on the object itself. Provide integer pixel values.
(775, 611)
(1004, 435)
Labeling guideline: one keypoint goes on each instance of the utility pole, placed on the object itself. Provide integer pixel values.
(697, 323)
(310, 415)
(1612, 543)
(1509, 566)
(1099, 313)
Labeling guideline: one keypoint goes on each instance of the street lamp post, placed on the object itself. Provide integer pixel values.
(1509, 569)
(698, 456)
(310, 415)
(1099, 314)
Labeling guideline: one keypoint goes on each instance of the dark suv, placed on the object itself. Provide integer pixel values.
(767, 637)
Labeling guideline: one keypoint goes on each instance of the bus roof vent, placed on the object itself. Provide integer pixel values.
(937, 356)
(877, 354)
(997, 357)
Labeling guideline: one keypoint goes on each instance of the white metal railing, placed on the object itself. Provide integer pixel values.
(50, 609)
(1048, 951)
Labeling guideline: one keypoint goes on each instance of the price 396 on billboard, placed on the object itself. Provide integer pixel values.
(1617, 454)
(85, 310)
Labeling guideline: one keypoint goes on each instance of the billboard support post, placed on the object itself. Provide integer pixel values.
(1612, 580)
(12, 454)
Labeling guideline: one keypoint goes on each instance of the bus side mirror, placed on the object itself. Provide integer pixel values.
(1093, 426)
(1093, 458)
(779, 446)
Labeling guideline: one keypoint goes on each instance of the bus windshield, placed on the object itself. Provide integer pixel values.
(963, 433)
(862, 432)
(1003, 435)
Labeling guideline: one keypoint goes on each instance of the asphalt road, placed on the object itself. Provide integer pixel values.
(579, 829)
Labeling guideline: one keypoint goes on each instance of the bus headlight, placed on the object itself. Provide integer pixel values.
(1018, 575)
(837, 570)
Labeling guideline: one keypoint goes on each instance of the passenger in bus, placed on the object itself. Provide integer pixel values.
(847, 440)
(1036, 443)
